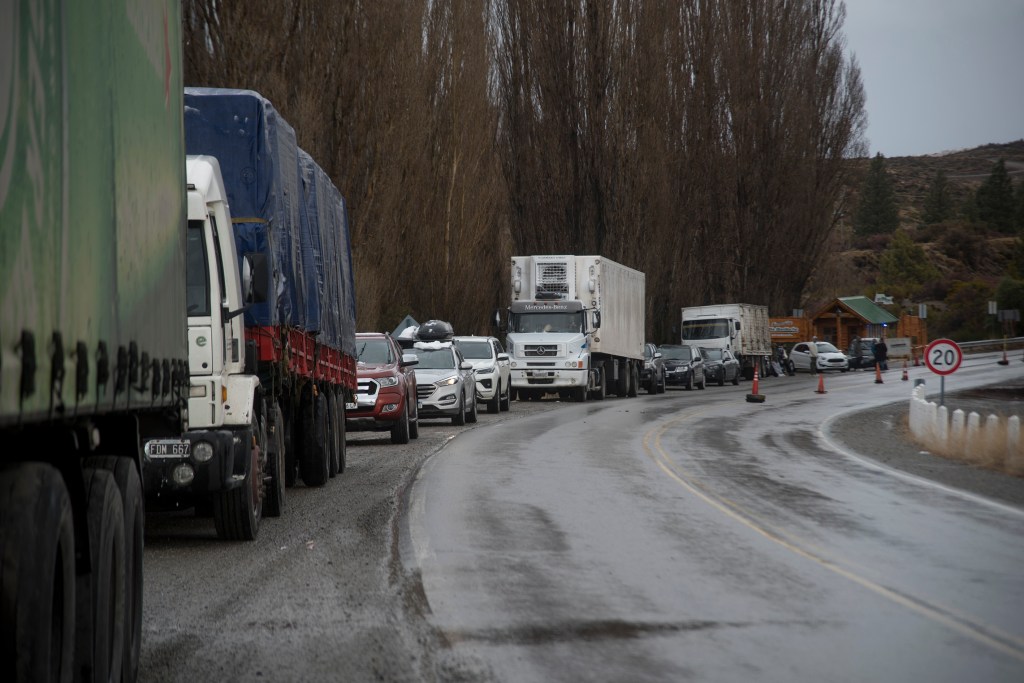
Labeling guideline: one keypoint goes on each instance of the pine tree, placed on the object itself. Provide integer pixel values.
(995, 200)
(904, 267)
(938, 205)
(877, 212)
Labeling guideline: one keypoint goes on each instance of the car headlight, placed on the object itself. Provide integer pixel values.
(446, 382)
(387, 381)
(485, 371)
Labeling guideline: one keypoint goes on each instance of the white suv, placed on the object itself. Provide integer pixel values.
(493, 370)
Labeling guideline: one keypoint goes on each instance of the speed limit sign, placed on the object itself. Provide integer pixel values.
(943, 356)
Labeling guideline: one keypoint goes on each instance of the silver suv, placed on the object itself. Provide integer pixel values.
(493, 370)
(445, 382)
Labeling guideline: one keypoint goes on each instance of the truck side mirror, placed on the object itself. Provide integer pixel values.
(597, 320)
(254, 278)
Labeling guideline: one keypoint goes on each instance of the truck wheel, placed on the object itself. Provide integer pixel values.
(313, 457)
(494, 405)
(601, 390)
(100, 596)
(293, 444)
(237, 512)
(273, 505)
(471, 415)
(400, 430)
(580, 395)
(634, 382)
(503, 403)
(332, 435)
(126, 476)
(459, 418)
(340, 431)
(37, 572)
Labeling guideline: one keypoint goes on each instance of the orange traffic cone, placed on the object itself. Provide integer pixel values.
(905, 377)
(878, 373)
(821, 384)
(917, 362)
(755, 397)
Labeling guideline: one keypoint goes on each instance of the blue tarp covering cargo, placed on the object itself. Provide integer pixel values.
(326, 251)
(259, 160)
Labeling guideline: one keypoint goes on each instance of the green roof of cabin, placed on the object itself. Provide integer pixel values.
(868, 309)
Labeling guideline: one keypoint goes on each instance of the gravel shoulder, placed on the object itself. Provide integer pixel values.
(882, 434)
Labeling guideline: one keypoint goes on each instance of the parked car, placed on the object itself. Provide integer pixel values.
(721, 366)
(386, 392)
(860, 354)
(829, 357)
(652, 377)
(445, 382)
(683, 365)
(493, 370)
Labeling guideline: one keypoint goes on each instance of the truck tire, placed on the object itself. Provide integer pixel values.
(340, 431)
(634, 381)
(503, 403)
(580, 395)
(37, 575)
(126, 476)
(273, 504)
(459, 418)
(293, 444)
(601, 390)
(237, 512)
(100, 595)
(400, 429)
(333, 452)
(313, 465)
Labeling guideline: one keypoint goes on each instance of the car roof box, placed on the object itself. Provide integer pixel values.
(435, 330)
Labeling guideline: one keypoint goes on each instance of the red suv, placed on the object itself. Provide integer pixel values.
(386, 398)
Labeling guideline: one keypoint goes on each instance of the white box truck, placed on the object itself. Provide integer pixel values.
(741, 328)
(575, 327)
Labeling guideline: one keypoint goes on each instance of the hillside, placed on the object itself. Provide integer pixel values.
(958, 250)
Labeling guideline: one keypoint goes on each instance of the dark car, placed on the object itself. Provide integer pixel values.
(652, 377)
(860, 354)
(683, 365)
(386, 394)
(720, 366)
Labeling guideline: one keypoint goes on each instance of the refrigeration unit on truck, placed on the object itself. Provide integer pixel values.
(575, 327)
(93, 329)
(286, 211)
(740, 328)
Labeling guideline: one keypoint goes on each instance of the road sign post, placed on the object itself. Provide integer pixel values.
(943, 357)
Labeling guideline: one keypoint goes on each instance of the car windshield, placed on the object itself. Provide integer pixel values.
(714, 354)
(373, 351)
(474, 350)
(676, 353)
(435, 359)
(825, 347)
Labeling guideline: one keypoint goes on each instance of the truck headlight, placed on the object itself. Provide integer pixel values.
(202, 451)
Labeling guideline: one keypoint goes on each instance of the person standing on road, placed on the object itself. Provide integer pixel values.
(882, 354)
(814, 355)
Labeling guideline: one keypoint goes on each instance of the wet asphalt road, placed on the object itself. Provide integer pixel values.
(690, 536)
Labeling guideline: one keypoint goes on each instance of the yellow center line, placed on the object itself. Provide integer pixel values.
(992, 637)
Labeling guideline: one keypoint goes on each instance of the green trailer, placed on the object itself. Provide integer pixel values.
(93, 331)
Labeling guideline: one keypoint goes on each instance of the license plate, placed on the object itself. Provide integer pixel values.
(168, 448)
(350, 406)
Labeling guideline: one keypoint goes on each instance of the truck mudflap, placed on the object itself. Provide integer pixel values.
(178, 472)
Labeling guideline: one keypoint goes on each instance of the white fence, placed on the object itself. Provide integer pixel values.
(992, 442)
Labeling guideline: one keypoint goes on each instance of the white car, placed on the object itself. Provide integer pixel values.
(829, 357)
(445, 384)
(493, 370)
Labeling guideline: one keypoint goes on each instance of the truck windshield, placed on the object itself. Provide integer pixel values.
(547, 322)
(695, 330)
(197, 275)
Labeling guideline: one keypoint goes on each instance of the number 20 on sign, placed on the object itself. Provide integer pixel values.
(943, 357)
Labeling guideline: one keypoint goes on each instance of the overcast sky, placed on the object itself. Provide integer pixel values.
(939, 74)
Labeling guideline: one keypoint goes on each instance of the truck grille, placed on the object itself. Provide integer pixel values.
(540, 350)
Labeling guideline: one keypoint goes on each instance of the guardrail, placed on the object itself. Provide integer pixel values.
(985, 343)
